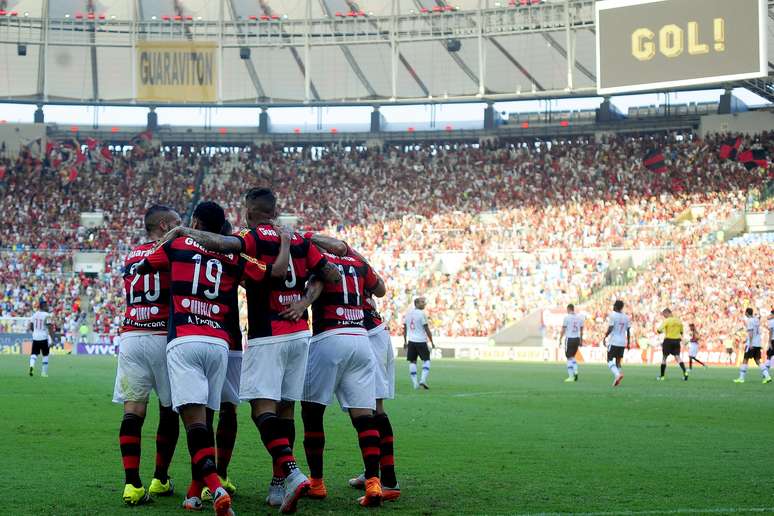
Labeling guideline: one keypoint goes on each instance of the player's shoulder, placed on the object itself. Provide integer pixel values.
(140, 251)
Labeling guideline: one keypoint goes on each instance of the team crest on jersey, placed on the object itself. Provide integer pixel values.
(254, 261)
(244, 233)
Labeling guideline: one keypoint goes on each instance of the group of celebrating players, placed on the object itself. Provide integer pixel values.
(618, 331)
(181, 337)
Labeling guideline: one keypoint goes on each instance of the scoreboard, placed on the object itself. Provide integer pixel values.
(657, 44)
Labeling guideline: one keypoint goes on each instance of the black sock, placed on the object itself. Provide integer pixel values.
(368, 439)
(288, 428)
(276, 444)
(314, 437)
(225, 438)
(682, 366)
(386, 447)
(663, 369)
(129, 441)
(166, 441)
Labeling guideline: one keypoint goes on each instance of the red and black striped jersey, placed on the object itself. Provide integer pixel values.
(340, 306)
(265, 301)
(372, 319)
(203, 290)
(147, 296)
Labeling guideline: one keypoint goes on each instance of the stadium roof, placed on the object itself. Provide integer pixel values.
(311, 51)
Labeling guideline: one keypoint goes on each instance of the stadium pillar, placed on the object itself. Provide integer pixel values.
(730, 104)
(490, 116)
(606, 112)
(153, 120)
(263, 121)
(376, 120)
(38, 116)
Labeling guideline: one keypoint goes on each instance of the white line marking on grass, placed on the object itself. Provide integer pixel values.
(729, 510)
(475, 394)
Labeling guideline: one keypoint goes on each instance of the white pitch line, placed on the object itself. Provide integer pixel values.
(475, 394)
(729, 510)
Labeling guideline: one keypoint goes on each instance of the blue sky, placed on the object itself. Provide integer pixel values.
(346, 118)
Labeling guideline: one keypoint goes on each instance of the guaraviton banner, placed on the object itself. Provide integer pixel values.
(180, 71)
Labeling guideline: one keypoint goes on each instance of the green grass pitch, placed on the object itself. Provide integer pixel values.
(489, 438)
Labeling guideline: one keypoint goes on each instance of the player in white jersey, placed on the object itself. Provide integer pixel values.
(770, 351)
(572, 331)
(42, 337)
(416, 335)
(618, 326)
(693, 348)
(752, 347)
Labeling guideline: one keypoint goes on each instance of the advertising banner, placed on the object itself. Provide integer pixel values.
(180, 71)
(13, 343)
(96, 349)
(655, 44)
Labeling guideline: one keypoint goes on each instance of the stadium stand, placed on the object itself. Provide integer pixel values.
(487, 233)
(709, 286)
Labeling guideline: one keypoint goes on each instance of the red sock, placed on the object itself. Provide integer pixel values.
(201, 446)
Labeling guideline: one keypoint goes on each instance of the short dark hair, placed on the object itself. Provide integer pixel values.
(153, 216)
(210, 215)
(618, 305)
(749, 312)
(264, 197)
(571, 307)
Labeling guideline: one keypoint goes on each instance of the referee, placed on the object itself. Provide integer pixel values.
(672, 328)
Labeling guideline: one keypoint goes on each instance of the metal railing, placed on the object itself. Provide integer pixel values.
(498, 21)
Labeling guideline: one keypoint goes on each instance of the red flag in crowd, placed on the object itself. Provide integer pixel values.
(654, 161)
(754, 158)
(730, 148)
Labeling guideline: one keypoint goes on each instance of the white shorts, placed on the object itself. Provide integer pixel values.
(142, 367)
(197, 371)
(693, 349)
(344, 365)
(275, 370)
(230, 392)
(384, 372)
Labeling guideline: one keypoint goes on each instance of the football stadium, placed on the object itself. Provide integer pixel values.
(427, 257)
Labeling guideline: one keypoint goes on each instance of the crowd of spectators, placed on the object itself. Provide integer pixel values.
(489, 233)
(708, 286)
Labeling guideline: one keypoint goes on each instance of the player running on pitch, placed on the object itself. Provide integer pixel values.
(416, 335)
(693, 348)
(672, 328)
(618, 329)
(572, 338)
(42, 335)
(142, 364)
(752, 348)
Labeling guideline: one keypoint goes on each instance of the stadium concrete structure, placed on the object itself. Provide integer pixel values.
(304, 52)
